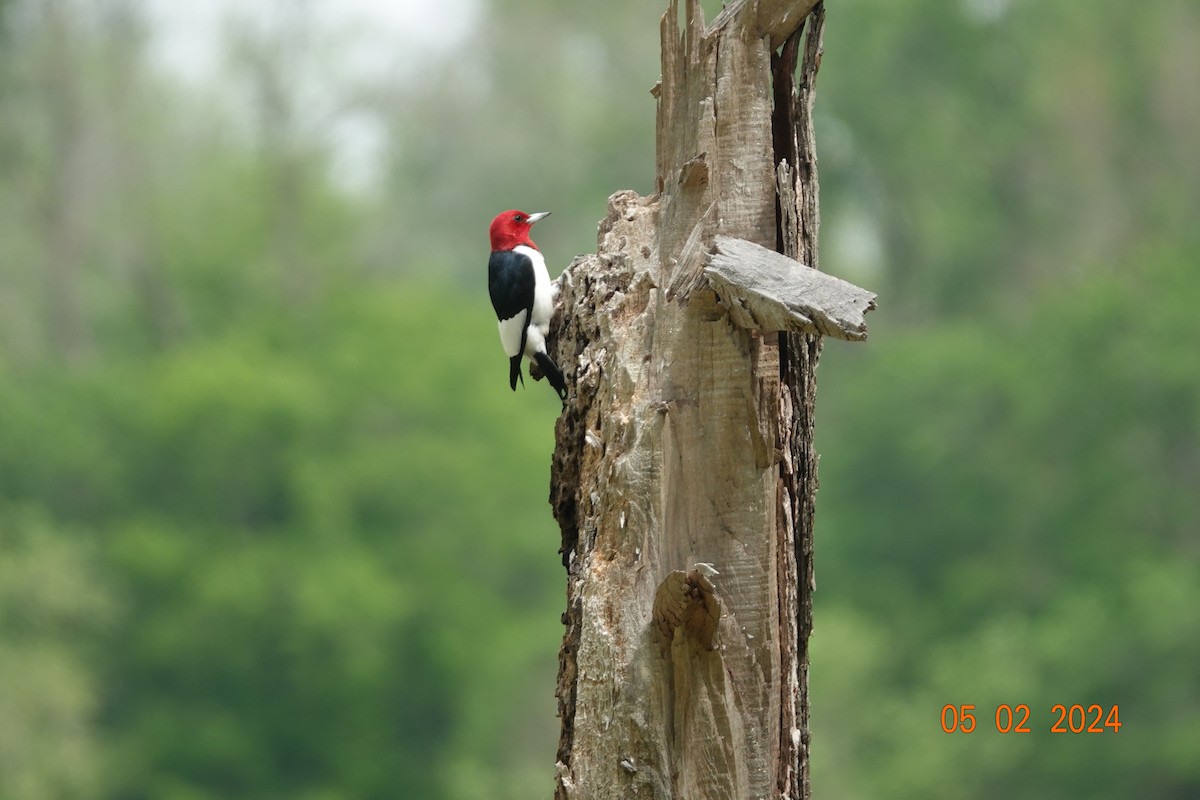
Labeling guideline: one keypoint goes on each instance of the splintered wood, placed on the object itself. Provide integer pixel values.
(768, 292)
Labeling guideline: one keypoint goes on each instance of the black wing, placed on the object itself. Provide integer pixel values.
(511, 286)
(510, 283)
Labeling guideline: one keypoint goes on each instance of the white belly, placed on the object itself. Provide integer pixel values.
(543, 302)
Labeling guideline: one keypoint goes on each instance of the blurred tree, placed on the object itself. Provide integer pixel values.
(992, 148)
(281, 512)
(54, 609)
(1020, 496)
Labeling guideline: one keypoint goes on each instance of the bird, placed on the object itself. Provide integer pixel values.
(522, 296)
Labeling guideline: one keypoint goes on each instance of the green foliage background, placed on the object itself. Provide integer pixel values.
(273, 526)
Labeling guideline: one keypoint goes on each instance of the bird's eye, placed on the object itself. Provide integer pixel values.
(517, 218)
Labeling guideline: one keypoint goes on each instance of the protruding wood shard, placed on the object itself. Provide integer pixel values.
(769, 292)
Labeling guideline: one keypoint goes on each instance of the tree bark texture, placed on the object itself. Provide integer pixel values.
(684, 472)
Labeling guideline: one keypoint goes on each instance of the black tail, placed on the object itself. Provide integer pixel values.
(514, 372)
(553, 374)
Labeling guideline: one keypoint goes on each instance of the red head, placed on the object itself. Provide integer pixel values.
(511, 228)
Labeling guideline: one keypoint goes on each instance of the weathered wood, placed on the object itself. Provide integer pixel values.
(777, 19)
(768, 292)
(683, 473)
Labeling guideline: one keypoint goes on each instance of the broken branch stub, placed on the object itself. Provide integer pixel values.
(768, 292)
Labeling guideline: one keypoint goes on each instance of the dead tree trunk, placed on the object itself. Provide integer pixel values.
(684, 472)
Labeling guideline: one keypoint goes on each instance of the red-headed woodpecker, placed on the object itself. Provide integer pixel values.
(522, 296)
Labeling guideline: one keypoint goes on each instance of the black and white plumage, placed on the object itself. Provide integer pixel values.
(522, 297)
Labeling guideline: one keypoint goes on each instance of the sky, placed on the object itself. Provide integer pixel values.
(188, 34)
(351, 43)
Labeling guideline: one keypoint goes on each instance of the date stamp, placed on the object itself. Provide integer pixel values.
(1074, 718)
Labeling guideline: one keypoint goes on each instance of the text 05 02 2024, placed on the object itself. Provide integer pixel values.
(1075, 718)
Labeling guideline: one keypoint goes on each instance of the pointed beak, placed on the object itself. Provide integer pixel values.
(539, 215)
